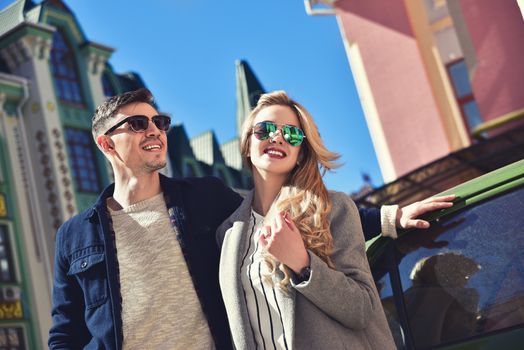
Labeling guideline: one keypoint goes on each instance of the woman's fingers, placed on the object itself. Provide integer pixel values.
(447, 198)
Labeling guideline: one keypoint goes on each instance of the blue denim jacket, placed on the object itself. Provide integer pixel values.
(86, 294)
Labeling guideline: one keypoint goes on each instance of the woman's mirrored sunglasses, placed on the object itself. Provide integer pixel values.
(291, 134)
(140, 123)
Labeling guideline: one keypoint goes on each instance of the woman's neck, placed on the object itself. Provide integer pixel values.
(267, 189)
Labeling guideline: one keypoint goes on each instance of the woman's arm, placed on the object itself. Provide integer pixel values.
(348, 293)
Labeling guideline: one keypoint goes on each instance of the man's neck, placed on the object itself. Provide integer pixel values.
(131, 189)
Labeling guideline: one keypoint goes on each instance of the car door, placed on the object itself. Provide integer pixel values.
(459, 284)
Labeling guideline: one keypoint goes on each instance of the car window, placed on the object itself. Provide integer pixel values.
(382, 277)
(465, 275)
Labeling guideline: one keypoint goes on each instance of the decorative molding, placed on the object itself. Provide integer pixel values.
(25, 48)
(54, 18)
(64, 170)
(3, 98)
(3, 206)
(75, 117)
(42, 147)
(96, 64)
(35, 107)
(11, 57)
(96, 56)
(12, 88)
(21, 158)
(50, 106)
(25, 181)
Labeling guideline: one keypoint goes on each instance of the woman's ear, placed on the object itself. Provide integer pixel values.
(301, 157)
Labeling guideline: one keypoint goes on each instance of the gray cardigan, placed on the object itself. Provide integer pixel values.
(335, 309)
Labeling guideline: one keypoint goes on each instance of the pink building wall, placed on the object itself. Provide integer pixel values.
(404, 101)
(496, 29)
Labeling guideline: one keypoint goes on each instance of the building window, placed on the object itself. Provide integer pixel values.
(109, 90)
(7, 273)
(82, 160)
(64, 70)
(12, 338)
(458, 74)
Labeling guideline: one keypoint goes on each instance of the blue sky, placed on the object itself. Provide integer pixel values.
(185, 50)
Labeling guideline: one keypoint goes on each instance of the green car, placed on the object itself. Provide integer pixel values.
(460, 283)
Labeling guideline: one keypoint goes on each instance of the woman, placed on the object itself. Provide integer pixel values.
(293, 269)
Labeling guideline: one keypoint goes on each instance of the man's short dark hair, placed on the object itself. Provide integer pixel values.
(106, 111)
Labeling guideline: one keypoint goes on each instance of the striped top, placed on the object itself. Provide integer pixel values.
(264, 312)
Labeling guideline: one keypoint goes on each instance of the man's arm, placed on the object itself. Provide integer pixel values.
(370, 220)
(68, 330)
(388, 218)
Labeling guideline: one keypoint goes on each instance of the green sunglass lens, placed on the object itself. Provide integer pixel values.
(263, 129)
(293, 135)
(270, 127)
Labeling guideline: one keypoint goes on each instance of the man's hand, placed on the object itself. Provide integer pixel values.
(407, 216)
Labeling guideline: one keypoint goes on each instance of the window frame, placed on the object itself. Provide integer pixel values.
(10, 254)
(107, 85)
(22, 335)
(65, 72)
(72, 144)
(461, 100)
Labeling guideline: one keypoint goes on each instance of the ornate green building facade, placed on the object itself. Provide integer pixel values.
(51, 79)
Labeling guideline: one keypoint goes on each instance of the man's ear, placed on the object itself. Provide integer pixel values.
(105, 143)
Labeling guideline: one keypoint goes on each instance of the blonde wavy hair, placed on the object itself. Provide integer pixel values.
(304, 195)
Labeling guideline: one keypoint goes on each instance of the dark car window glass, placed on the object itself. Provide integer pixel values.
(465, 275)
(382, 278)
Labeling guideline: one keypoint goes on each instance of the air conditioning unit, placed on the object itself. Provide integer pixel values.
(323, 2)
(320, 7)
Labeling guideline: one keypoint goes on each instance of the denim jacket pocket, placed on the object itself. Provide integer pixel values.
(90, 272)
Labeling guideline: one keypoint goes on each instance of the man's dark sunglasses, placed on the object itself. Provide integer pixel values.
(291, 134)
(140, 123)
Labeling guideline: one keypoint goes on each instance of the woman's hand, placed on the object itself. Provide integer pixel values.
(283, 241)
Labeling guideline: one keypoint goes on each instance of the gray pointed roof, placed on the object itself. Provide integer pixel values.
(178, 147)
(248, 89)
(231, 152)
(27, 11)
(11, 16)
(206, 149)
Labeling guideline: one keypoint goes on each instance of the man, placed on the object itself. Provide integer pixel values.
(139, 269)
